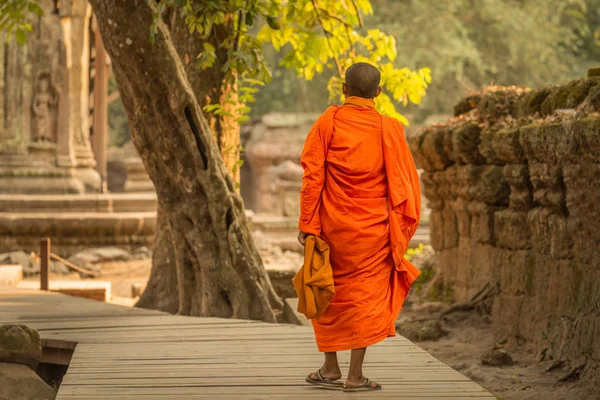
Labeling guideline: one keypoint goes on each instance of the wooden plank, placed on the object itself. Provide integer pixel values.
(297, 395)
(241, 390)
(142, 354)
(300, 395)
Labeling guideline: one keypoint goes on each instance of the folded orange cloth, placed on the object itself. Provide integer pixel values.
(314, 281)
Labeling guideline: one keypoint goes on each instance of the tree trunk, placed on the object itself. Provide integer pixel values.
(218, 269)
(161, 290)
(209, 87)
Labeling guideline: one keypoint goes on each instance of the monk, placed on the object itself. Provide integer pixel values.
(360, 194)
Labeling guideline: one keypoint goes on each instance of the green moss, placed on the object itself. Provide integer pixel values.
(568, 96)
(531, 103)
(466, 105)
(594, 72)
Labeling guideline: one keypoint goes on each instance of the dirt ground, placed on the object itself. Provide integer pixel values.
(469, 338)
(121, 274)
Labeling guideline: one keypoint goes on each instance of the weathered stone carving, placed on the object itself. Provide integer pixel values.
(44, 143)
(44, 110)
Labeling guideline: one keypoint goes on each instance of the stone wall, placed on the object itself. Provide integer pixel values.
(513, 181)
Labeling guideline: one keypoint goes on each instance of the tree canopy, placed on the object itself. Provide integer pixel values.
(312, 36)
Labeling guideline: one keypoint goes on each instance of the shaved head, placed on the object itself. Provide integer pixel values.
(362, 80)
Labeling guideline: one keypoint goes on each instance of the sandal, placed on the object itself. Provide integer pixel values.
(324, 382)
(368, 386)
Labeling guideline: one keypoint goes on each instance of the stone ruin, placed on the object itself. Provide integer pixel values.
(273, 153)
(49, 176)
(271, 178)
(513, 181)
(44, 106)
(126, 171)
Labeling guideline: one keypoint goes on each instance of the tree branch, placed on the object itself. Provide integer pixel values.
(335, 17)
(349, 34)
(238, 34)
(361, 22)
(327, 36)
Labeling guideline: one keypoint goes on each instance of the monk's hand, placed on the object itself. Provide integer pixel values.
(302, 237)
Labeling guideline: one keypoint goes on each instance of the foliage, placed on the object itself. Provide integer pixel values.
(14, 16)
(426, 273)
(472, 43)
(314, 35)
(412, 252)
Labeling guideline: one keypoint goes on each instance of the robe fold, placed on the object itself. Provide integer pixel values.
(360, 194)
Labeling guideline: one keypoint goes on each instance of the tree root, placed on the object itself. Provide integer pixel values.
(488, 291)
(556, 364)
(574, 373)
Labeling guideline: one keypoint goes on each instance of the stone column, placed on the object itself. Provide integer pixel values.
(75, 19)
(137, 177)
(100, 127)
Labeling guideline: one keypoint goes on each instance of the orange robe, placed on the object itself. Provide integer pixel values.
(360, 193)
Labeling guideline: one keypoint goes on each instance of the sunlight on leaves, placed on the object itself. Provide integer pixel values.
(313, 35)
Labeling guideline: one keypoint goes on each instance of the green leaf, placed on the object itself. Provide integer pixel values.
(179, 3)
(217, 4)
(249, 20)
(21, 36)
(209, 47)
(34, 8)
(291, 13)
(273, 24)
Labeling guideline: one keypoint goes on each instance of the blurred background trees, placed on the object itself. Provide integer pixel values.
(467, 44)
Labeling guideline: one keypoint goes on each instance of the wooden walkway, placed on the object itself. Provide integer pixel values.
(125, 353)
